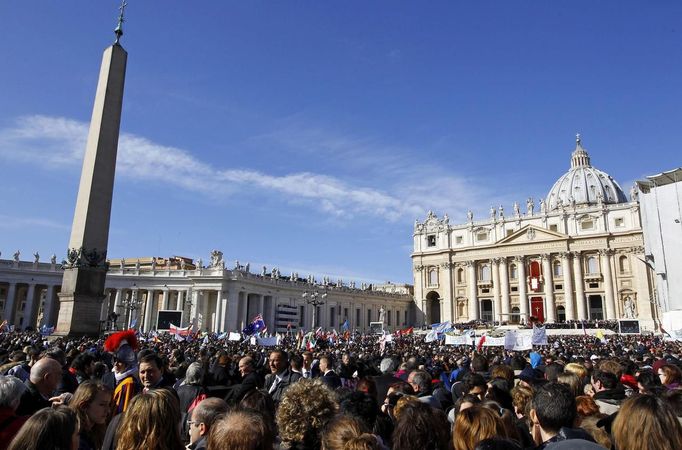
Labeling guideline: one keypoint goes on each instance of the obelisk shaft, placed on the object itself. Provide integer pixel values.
(85, 267)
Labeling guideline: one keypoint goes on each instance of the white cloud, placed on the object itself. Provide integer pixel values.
(11, 222)
(407, 189)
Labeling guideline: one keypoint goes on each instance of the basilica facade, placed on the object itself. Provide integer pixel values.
(577, 255)
(209, 296)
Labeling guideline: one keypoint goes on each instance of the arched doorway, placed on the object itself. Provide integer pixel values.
(596, 307)
(433, 307)
(560, 314)
(515, 315)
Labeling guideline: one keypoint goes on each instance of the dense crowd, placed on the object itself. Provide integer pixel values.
(157, 392)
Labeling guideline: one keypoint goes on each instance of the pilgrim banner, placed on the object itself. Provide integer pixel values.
(494, 341)
(518, 340)
(457, 340)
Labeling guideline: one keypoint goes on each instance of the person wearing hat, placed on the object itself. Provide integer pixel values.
(123, 346)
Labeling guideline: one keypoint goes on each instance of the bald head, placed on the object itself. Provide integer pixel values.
(46, 374)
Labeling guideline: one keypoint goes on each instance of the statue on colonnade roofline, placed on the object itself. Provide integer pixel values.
(470, 216)
(137, 264)
(530, 206)
(517, 209)
(17, 255)
(122, 264)
(53, 259)
(36, 258)
(264, 271)
(247, 267)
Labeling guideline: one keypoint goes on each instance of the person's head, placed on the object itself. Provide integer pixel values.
(420, 381)
(367, 385)
(151, 421)
(602, 381)
(194, 374)
(503, 371)
(360, 405)
(553, 407)
(572, 381)
(150, 370)
(307, 359)
(585, 406)
(611, 365)
(326, 363)
(203, 416)
(57, 354)
(646, 422)
(84, 363)
(46, 374)
(420, 426)
(340, 430)
(387, 365)
(577, 369)
(475, 424)
(670, 374)
(296, 362)
(598, 433)
(244, 429)
(246, 366)
(673, 397)
(474, 384)
(648, 380)
(48, 429)
(92, 403)
(552, 371)
(11, 389)
(278, 361)
(260, 400)
(479, 363)
(522, 396)
(306, 407)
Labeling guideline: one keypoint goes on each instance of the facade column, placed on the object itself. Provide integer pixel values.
(605, 256)
(104, 308)
(550, 306)
(448, 298)
(8, 313)
(49, 306)
(164, 301)
(495, 263)
(233, 310)
(504, 287)
(30, 306)
(178, 300)
(568, 285)
(473, 290)
(523, 293)
(148, 311)
(579, 285)
(194, 310)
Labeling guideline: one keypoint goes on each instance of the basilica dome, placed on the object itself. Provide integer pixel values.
(583, 185)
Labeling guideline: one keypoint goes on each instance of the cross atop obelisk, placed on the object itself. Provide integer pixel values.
(85, 266)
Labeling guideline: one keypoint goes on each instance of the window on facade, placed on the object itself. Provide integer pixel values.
(554, 227)
(431, 240)
(405, 321)
(620, 222)
(485, 272)
(482, 236)
(513, 274)
(557, 270)
(433, 277)
(623, 264)
(594, 285)
(458, 239)
(357, 317)
(397, 318)
(485, 290)
(515, 289)
(592, 265)
(460, 275)
(369, 316)
(510, 231)
(586, 225)
(301, 316)
(332, 317)
(558, 287)
(388, 316)
(345, 313)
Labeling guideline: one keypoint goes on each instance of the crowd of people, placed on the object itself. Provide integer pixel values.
(132, 391)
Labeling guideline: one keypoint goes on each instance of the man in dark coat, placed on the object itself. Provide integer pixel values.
(251, 380)
(386, 379)
(280, 376)
(329, 377)
(46, 375)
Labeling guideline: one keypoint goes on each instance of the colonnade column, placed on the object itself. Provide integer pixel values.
(194, 310)
(504, 286)
(473, 290)
(579, 286)
(605, 255)
(164, 301)
(8, 313)
(550, 306)
(30, 306)
(49, 305)
(523, 296)
(117, 301)
(232, 310)
(495, 263)
(568, 285)
(148, 308)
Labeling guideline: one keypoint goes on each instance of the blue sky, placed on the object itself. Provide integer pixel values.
(310, 135)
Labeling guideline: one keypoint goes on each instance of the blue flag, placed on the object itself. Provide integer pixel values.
(256, 325)
(345, 325)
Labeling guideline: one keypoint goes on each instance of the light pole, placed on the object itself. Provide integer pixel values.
(315, 299)
(131, 304)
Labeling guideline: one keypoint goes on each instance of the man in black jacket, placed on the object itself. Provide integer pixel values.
(281, 377)
(251, 380)
(46, 374)
(329, 377)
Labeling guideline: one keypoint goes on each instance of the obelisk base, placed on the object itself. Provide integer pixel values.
(80, 302)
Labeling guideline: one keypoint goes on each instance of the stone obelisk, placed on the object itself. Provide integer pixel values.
(85, 267)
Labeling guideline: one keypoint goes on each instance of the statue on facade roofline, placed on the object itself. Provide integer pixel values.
(543, 206)
(530, 205)
(53, 259)
(634, 193)
(264, 271)
(16, 256)
(36, 258)
(470, 216)
(517, 209)
(493, 213)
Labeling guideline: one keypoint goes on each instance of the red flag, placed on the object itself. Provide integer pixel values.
(481, 342)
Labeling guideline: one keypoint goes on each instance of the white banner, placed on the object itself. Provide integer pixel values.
(518, 340)
(539, 336)
(494, 341)
(457, 340)
(233, 336)
(268, 341)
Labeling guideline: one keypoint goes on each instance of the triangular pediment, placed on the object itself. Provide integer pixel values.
(531, 233)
